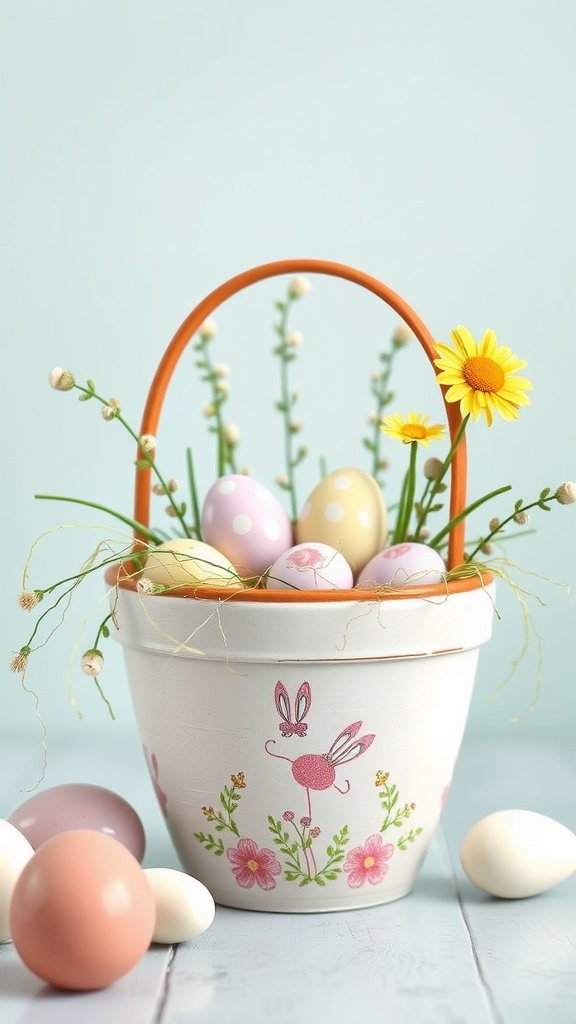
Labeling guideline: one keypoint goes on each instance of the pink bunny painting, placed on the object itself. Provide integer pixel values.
(301, 708)
(316, 771)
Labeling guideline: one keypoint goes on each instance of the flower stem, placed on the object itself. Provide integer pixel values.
(431, 492)
(285, 404)
(147, 458)
(518, 508)
(136, 527)
(407, 497)
(465, 512)
(193, 494)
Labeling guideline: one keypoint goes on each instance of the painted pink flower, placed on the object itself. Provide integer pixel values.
(368, 863)
(249, 865)
(397, 551)
(306, 558)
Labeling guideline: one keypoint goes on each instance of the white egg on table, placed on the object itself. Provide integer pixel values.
(15, 852)
(404, 563)
(516, 853)
(184, 906)
(310, 566)
(185, 562)
(243, 519)
(347, 511)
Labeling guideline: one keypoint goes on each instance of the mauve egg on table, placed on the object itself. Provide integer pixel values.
(310, 567)
(82, 912)
(78, 805)
(401, 564)
(244, 520)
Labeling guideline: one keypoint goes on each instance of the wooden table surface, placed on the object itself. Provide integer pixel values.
(445, 954)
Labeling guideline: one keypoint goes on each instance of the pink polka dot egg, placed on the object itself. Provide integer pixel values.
(310, 566)
(401, 564)
(242, 519)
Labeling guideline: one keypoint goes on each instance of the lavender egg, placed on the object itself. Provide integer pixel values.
(401, 564)
(310, 567)
(78, 805)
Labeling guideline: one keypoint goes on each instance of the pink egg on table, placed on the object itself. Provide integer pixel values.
(243, 520)
(82, 912)
(401, 564)
(77, 805)
(310, 567)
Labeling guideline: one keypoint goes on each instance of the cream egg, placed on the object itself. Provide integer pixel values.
(401, 564)
(515, 853)
(15, 852)
(310, 567)
(347, 511)
(187, 562)
(243, 519)
(184, 906)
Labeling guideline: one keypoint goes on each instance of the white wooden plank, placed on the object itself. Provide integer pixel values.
(426, 958)
(526, 949)
(410, 959)
(133, 999)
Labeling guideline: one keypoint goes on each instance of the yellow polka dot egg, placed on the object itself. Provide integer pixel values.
(347, 511)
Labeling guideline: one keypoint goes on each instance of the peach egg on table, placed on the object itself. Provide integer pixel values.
(347, 511)
(82, 911)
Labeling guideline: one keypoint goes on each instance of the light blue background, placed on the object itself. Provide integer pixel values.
(152, 150)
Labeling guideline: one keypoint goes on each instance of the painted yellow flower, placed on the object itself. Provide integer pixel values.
(479, 376)
(415, 428)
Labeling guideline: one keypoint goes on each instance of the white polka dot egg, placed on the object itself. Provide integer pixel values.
(244, 520)
(310, 566)
(347, 511)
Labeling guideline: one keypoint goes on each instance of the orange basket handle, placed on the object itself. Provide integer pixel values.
(202, 311)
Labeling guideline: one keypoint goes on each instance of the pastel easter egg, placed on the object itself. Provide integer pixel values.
(15, 852)
(77, 805)
(184, 906)
(244, 520)
(401, 564)
(82, 913)
(515, 853)
(186, 562)
(310, 566)
(347, 511)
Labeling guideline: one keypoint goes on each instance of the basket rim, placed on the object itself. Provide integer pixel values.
(124, 576)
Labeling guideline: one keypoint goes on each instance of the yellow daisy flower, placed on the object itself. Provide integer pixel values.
(415, 428)
(480, 376)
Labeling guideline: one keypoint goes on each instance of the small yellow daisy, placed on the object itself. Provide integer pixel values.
(415, 428)
(479, 376)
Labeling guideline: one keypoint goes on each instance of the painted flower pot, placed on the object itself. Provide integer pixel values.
(302, 744)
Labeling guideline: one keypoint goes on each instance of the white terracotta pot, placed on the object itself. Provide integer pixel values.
(302, 746)
(303, 758)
